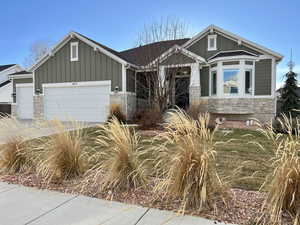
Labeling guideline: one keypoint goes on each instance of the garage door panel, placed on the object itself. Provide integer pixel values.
(24, 99)
(83, 103)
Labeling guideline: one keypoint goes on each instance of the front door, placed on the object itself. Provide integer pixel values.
(182, 92)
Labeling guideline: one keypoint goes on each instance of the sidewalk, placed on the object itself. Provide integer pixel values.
(22, 205)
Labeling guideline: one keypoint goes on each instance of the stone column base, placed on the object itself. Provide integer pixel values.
(38, 107)
(14, 110)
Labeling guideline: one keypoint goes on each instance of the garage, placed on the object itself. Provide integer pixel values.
(24, 100)
(81, 101)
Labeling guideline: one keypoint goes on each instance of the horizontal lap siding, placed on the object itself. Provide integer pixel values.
(263, 77)
(91, 66)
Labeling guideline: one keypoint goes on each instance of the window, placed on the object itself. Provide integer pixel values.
(74, 51)
(248, 81)
(212, 42)
(213, 83)
(230, 79)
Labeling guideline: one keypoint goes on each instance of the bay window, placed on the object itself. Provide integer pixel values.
(213, 82)
(232, 79)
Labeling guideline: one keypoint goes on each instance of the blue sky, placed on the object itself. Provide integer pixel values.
(272, 23)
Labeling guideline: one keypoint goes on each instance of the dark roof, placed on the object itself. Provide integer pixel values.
(147, 53)
(21, 73)
(103, 46)
(231, 53)
(4, 67)
(142, 55)
(4, 83)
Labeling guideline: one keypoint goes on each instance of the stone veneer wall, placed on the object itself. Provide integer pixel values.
(195, 93)
(122, 99)
(38, 107)
(14, 110)
(262, 109)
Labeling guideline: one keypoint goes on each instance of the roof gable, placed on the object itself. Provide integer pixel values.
(95, 45)
(5, 67)
(236, 38)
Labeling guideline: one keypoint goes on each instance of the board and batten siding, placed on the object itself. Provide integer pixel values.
(20, 81)
(204, 81)
(177, 58)
(223, 44)
(91, 66)
(263, 77)
(130, 80)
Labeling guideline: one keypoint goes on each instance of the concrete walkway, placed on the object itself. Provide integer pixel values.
(22, 205)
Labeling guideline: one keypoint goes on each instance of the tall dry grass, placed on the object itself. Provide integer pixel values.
(283, 184)
(64, 152)
(119, 154)
(16, 154)
(186, 162)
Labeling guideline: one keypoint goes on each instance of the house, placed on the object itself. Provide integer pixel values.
(5, 84)
(79, 78)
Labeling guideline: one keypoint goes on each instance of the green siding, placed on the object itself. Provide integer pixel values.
(20, 81)
(263, 77)
(223, 44)
(91, 66)
(177, 58)
(130, 80)
(204, 81)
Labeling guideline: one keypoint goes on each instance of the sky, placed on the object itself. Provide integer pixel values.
(271, 23)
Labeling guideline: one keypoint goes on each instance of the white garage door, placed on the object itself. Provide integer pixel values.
(82, 101)
(24, 99)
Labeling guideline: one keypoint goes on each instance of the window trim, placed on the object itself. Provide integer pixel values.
(214, 37)
(72, 44)
(247, 69)
(242, 67)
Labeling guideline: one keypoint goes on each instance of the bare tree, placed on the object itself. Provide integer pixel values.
(161, 91)
(37, 50)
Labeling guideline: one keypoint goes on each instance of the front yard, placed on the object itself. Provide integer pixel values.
(240, 163)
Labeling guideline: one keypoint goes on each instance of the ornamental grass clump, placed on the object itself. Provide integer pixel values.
(64, 152)
(283, 184)
(15, 152)
(186, 162)
(120, 156)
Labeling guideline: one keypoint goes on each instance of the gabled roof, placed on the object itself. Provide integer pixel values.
(4, 67)
(250, 44)
(97, 46)
(145, 54)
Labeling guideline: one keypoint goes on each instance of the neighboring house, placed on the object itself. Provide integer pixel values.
(5, 84)
(79, 78)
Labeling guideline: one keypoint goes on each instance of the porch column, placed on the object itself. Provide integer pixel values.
(195, 84)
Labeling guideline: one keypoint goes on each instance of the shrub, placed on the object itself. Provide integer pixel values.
(149, 118)
(116, 111)
(120, 158)
(194, 111)
(188, 168)
(283, 184)
(15, 152)
(64, 152)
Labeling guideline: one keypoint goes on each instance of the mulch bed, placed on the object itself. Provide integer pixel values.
(242, 208)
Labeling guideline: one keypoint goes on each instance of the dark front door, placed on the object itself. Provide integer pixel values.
(182, 92)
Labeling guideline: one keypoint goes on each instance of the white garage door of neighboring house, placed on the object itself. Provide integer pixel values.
(82, 101)
(24, 100)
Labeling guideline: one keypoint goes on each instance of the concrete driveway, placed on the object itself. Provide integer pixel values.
(28, 206)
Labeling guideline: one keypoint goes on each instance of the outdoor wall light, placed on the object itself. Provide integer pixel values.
(13, 94)
(116, 89)
(38, 91)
